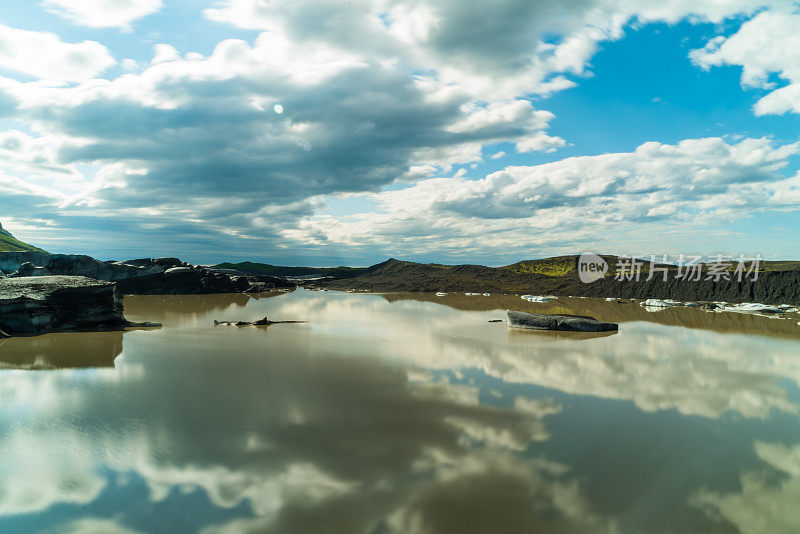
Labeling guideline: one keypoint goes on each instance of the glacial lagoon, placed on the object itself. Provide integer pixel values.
(402, 413)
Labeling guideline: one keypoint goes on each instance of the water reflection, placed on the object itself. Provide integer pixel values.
(620, 313)
(522, 334)
(769, 496)
(401, 417)
(61, 351)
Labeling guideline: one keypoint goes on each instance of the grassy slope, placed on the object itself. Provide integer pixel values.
(565, 265)
(9, 243)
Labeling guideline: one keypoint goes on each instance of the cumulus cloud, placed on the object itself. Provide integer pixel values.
(45, 56)
(331, 98)
(103, 13)
(766, 45)
(495, 47)
(692, 182)
(194, 129)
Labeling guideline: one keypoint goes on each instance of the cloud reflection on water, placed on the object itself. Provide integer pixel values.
(366, 419)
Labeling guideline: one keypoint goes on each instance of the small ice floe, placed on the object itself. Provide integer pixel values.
(473, 294)
(611, 299)
(535, 298)
(659, 303)
(487, 294)
(752, 307)
(440, 294)
(552, 297)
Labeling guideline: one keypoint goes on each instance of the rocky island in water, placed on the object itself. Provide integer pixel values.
(36, 305)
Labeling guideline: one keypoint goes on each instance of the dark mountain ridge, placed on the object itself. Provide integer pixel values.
(777, 282)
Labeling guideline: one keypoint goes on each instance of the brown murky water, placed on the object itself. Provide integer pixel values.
(402, 414)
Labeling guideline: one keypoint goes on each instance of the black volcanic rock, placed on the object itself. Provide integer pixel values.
(43, 304)
(16, 264)
(186, 280)
(144, 276)
(567, 323)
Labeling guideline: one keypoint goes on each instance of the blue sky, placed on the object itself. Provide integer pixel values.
(346, 132)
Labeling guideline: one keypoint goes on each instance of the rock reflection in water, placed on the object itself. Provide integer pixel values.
(61, 351)
(520, 334)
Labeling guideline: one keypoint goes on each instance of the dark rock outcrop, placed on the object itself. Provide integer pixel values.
(190, 280)
(569, 323)
(43, 304)
(261, 322)
(39, 263)
(144, 276)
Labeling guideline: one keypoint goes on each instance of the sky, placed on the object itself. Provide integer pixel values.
(328, 132)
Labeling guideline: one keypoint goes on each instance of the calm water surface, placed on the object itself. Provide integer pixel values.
(402, 414)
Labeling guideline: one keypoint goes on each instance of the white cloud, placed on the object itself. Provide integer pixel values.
(163, 53)
(103, 13)
(372, 93)
(497, 50)
(45, 56)
(766, 45)
(347, 124)
(691, 183)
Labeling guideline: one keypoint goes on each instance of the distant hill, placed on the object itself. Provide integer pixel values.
(277, 270)
(8, 243)
(778, 282)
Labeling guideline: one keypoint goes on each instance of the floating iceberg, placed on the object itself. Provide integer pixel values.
(611, 299)
(535, 298)
(440, 294)
(752, 307)
(473, 294)
(487, 294)
(659, 303)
